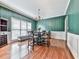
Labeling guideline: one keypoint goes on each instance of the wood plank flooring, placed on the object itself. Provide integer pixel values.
(19, 50)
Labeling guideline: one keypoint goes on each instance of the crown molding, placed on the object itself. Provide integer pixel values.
(67, 7)
(3, 4)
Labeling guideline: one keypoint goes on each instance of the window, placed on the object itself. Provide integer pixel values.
(23, 28)
(15, 28)
(29, 26)
(15, 34)
(15, 23)
(23, 24)
(19, 28)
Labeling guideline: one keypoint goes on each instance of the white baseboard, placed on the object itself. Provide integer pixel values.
(58, 35)
(72, 42)
(72, 51)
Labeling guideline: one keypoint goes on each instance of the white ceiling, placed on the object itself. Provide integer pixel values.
(48, 8)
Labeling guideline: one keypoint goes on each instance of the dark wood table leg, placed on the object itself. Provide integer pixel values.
(33, 44)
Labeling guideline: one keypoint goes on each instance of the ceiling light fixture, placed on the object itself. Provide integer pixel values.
(38, 17)
(39, 14)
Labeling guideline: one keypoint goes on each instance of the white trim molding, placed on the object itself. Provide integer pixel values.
(58, 35)
(6, 5)
(72, 42)
(67, 7)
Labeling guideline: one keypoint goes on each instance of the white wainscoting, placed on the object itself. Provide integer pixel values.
(58, 35)
(78, 48)
(73, 44)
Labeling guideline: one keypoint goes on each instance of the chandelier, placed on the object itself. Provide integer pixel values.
(39, 17)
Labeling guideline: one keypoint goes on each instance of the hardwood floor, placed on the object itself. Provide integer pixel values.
(19, 50)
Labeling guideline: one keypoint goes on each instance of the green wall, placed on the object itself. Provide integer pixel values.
(73, 16)
(52, 24)
(0, 11)
(6, 13)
